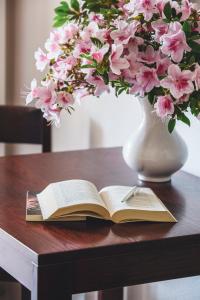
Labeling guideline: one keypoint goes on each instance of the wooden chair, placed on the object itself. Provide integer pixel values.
(23, 125)
(19, 124)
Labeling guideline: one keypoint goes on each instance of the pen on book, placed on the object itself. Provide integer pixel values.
(130, 194)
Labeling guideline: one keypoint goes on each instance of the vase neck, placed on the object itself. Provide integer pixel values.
(149, 113)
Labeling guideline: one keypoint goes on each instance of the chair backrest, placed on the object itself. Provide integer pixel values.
(21, 124)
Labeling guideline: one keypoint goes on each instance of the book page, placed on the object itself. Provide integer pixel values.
(144, 199)
(66, 194)
(34, 214)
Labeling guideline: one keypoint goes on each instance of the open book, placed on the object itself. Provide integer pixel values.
(79, 199)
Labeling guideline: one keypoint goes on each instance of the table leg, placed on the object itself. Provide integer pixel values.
(112, 294)
(46, 297)
(25, 293)
(49, 285)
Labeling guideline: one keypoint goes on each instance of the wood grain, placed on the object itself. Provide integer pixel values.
(94, 255)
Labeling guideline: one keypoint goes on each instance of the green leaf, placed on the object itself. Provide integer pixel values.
(195, 37)
(100, 70)
(60, 12)
(173, 13)
(75, 5)
(182, 117)
(155, 92)
(187, 28)
(151, 97)
(62, 9)
(85, 55)
(171, 125)
(88, 66)
(59, 21)
(92, 6)
(65, 13)
(97, 5)
(192, 60)
(64, 3)
(109, 12)
(106, 78)
(168, 10)
(120, 86)
(195, 46)
(97, 42)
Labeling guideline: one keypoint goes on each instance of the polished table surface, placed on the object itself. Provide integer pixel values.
(56, 259)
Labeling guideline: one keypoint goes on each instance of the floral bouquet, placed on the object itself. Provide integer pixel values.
(141, 47)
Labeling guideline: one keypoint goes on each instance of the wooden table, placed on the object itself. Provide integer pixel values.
(56, 260)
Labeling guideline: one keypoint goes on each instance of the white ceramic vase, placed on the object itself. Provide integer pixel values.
(152, 151)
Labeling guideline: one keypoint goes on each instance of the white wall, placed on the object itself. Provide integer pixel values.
(2, 56)
(192, 137)
(2, 51)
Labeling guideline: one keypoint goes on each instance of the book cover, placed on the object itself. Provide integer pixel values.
(34, 213)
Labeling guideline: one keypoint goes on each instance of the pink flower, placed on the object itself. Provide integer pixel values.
(145, 7)
(186, 9)
(184, 98)
(33, 93)
(146, 80)
(197, 77)
(175, 45)
(174, 27)
(96, 18)
(41, 60)
(162, 65)
(100, 86)
(176, 6)
(87, 70)
(79, 94)
(46, 96)
(134, 43)
(89, 31)
(113, 76)
(52, 115)
(160, 4)
(98, 54)
(65, 99)
(121, 3)
(150, 56)
(130, 73)
(55, 36)
(67, 33)
(178, 82)
(164, 106)
(104, 36)
(160, 28)
(117, 63)
(62, 66)
(124, 32)
(82, 47)
(53, 47)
